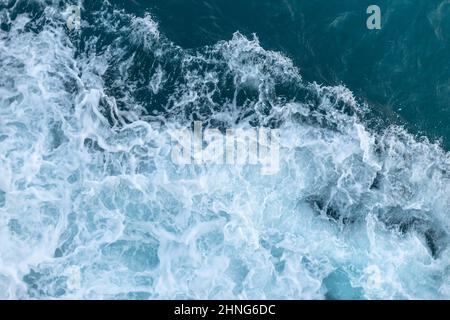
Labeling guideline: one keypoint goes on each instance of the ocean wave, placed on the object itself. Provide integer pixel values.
(91, 205)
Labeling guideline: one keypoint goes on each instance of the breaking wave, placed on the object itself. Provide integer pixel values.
(91, 205)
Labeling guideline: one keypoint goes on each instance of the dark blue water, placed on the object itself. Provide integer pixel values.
(401, 70)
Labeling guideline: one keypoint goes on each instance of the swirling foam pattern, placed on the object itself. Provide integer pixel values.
(91, 205)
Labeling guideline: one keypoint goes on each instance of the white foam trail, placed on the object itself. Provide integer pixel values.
(94, 208)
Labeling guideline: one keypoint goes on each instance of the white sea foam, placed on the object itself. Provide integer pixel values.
(91, 205)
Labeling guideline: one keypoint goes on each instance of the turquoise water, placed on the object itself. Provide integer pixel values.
(93, 207)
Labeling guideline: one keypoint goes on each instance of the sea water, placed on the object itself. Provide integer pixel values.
(93, 207)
